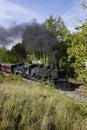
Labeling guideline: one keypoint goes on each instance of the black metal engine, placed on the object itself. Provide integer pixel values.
(34, 71)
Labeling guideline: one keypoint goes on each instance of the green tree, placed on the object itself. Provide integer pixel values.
(58, 27)
(77, 53)
(50, 24)
(17, 53)
(3, 54)
(61, 29)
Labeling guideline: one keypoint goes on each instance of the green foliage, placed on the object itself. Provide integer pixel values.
(77, 53)
(17, 53)
(38, 107)
(57, 26)
(60, 31)
(3, 54)
(50, 24)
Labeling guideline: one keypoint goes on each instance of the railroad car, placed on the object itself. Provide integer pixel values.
(8, 68)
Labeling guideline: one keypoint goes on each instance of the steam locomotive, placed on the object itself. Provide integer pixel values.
(36, 71)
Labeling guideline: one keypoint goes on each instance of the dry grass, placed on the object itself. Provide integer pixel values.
(28, 106)
(83, 90)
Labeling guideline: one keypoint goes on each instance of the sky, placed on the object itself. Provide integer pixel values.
(14, 12)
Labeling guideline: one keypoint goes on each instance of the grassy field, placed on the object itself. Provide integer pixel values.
(36, 106)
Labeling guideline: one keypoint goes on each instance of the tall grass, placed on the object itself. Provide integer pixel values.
(29, 106)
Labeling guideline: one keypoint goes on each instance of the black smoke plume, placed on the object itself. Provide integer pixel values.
(38, 38)
(35, 37)
(9, 35)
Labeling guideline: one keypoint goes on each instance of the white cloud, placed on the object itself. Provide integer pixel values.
(74, 16)
(15, 13)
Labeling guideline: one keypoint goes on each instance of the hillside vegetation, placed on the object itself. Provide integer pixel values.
(37, 106)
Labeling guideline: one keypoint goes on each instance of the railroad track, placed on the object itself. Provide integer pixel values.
(75, 95)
